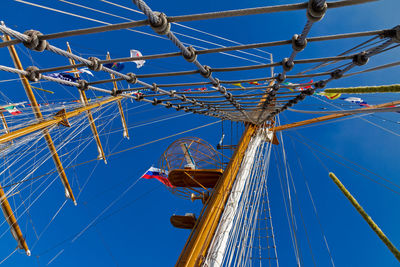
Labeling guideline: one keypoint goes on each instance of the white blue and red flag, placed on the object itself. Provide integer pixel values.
(156, 173)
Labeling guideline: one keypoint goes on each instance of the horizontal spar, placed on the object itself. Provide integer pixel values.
(56, 120)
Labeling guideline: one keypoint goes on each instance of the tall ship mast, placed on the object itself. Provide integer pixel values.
(199, 134)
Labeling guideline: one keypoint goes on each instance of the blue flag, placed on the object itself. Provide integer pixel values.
(63, 76)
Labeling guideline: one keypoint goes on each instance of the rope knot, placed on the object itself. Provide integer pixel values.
(216, 83)
(229, 96)
(318, 85)
(361, 59)
(316, 10)
(95, 64)
(222, 89)
(337, 74)
(207, 72)
(172, 93)
(191, 56)
(139, 97)
(297, 44)
(115, 92)
(83, 85)
(292, 102)
(163, 26)
(155, 87)
(33, 74)
(168, 104)
(156, 101)
(132, 78)
(280, 78)
(178, 107)
(287, 65)
(302, 95)
(34, 42)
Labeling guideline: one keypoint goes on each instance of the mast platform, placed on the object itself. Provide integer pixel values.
(205, 178)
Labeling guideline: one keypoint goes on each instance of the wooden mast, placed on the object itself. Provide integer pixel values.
(89, 113)
(39, 117)
(201, 236)
(197, 245)
(194, 252)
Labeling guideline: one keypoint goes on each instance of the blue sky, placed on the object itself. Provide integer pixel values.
(135, 231)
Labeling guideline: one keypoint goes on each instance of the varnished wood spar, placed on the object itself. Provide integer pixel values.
(196, 247)
(326, 118)
(203, 233)
(39, 117)
(6, 208)
(43, 124)
(12, 221)
(89, 113)
(121, 111)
